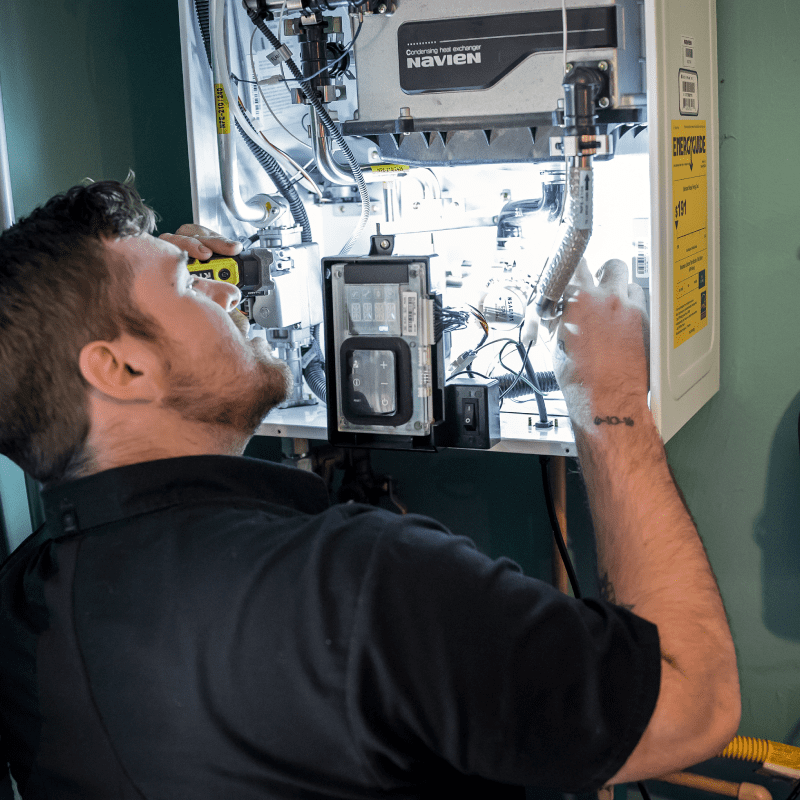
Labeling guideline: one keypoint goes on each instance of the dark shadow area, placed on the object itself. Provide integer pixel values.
(497, 499)
(147, 50)
(777, 529)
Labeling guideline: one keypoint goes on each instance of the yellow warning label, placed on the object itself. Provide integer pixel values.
(689, 228)
(390, 168)
(223, 112)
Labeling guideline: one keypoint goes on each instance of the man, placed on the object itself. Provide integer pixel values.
(192, 624)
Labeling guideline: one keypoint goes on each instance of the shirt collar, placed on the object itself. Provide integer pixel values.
(124, 492)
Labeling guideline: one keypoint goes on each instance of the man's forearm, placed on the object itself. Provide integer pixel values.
(652, 561)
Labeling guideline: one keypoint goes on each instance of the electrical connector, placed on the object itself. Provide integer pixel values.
(464, 361)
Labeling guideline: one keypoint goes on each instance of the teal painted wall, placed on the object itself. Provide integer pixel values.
(94, 88)
(737, 460)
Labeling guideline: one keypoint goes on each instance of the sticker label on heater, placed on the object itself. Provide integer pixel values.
(688, 94)
(582, 210)
(409, 314)
(223, 112)
(689, 229)
(461, 53)
(687, 50)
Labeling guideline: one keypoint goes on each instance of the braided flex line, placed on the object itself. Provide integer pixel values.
(578, 215)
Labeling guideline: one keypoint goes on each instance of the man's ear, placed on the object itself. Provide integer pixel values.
(125, 369)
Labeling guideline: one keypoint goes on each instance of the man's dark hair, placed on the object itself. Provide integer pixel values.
(61, 288)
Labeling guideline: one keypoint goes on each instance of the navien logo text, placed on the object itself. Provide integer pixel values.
(449, 60)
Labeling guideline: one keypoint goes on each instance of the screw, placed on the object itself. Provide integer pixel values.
(405, 111)
(374, 155)
(604, 102)
(568, 67)
(505, 194)
(603, 66)
(417, 425)
(385, 244)
(382, 8)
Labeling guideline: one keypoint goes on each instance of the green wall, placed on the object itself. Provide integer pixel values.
(94, 88)
(737, 460)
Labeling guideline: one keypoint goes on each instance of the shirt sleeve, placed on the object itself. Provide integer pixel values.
(498, 674)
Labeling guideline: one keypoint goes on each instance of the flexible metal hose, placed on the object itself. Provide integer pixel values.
(578, 214)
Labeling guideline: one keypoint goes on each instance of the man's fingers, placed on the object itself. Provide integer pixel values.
(636, 295)
(582, 277)
(201, 243)
(613, 275)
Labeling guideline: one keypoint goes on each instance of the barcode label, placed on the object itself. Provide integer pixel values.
(641, 251)
(687, 84)
(687, 45)
(255, 100)
(642, 262)
(410, 314)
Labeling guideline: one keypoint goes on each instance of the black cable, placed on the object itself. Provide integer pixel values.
(267, 162)
(544, 462)
(322, 113)
(471, 373)
(795, 793)
(543, 421)
(643, 789)
(335, 61)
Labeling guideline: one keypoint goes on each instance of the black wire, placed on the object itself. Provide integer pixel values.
(336, 61)
(793, 795)
(471, 373)
(544, 462)
(643, 789)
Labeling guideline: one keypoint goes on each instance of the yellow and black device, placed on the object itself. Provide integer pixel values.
(218, 268)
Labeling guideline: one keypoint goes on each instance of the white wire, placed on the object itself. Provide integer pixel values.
(264, 97)
(224, 77)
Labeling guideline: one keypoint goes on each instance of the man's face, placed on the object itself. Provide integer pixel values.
(215, 374)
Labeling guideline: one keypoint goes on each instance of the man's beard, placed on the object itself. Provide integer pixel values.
(252, 386)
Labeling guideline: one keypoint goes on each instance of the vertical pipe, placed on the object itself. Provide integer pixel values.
(6, 200)
(559, 482)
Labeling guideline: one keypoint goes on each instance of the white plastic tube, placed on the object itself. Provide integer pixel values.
(255, 214)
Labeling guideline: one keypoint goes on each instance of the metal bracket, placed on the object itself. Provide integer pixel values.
(581, 145)
(277, 57)
(381, 244)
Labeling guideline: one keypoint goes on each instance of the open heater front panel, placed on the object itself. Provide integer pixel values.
(449, 108)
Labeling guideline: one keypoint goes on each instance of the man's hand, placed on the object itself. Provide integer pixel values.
(201, 243)
(600, 357)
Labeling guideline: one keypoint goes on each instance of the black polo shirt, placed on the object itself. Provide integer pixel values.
(209, 627)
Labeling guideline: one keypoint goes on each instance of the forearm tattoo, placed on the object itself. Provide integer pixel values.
(614, 421)
(607, 592)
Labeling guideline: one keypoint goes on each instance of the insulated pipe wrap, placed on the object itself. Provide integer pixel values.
(578, 214)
